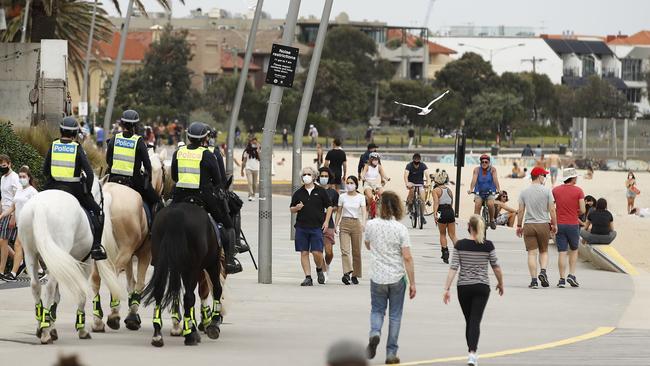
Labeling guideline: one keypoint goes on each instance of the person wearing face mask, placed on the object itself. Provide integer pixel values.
(23, 194)
(313, 210)
(351, 221)
(416, 173)
(9, 185)
(251, 163)
(537, 214)
(329, 237)
(373, 177)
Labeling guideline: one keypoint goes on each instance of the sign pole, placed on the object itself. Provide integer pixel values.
(264, 275)
(459, 161)
(83, 106)
(296, 165)
(241, 86)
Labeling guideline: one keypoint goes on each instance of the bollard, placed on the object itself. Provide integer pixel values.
(386, 141)
(401, 142)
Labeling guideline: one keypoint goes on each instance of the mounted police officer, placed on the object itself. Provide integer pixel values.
(126, 155)
(62, 169)
(196, 173)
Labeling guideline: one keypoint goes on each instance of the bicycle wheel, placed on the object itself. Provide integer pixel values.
(414, 216)
(485, 214)
(420, 215)
(428, 203)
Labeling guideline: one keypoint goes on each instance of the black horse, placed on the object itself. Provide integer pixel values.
(184, 244)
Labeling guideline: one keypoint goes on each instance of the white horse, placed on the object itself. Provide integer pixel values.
(54, 227)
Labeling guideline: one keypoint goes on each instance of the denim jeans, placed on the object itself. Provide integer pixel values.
(380, 297)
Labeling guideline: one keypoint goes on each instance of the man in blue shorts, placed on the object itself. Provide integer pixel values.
(485, 184)
(313, 207)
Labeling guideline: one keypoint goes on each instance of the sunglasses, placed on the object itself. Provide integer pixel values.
(485, 161)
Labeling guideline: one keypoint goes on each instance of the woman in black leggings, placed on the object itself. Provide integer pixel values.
(470, 259)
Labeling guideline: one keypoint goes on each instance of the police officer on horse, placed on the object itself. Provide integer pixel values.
(197, 175)
(62, 169)
(126, 155)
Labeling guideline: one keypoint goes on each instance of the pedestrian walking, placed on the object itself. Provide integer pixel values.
(570, 204)
(313, 134)
(369, 134)
(314, 209)
(392, 263)
(250, 163)
(538, 151)
(319, 156)
(99, 137)
(285, 138)
(537, 214)
(470, 260)
(632, 190)
(351, 220)
(237, 136)
(336, 160)
(23, 194)
(329, 236)
(9, 185)
(444, 215)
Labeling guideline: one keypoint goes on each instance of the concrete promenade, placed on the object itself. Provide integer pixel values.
(285, 324)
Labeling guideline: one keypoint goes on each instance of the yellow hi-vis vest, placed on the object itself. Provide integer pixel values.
(64, 159)
(189, 167)
(124, 154)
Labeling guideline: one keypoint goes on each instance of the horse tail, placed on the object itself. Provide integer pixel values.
(172, 255)
(108, 237)
(60, 263)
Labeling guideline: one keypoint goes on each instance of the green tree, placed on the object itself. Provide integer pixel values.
(219, 97)
(349, 44)
(491, 112)
(468, 76)
(599, 99)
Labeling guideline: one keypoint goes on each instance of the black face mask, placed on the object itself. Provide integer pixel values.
(4, 170)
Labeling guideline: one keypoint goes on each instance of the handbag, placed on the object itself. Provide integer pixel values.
(635, 190)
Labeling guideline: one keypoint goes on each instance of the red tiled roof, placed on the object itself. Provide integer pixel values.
(227, 62)
(640, 38)
(137, 44)
(570, 36)
(411, 41)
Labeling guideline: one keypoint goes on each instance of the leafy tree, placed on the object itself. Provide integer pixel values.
(468, 76)
(599, 99)
(21, 153)
(349, 44)
(219, 97)
(492, 112)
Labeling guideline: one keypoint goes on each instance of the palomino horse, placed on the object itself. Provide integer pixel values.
(184, 244)
(54, 227)
(126, 235)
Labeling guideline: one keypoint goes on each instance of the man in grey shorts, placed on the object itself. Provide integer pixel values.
(537, 212)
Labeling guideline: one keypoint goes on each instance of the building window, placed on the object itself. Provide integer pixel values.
(631, 69)
(633, 95)
(588, 66)
(209, 79)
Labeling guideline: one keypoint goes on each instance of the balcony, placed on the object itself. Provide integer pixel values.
(571, 72)
(610, 72)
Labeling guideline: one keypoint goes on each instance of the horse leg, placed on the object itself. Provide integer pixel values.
(80, 320)
(98, 313)
(204, 292)
(32, 267)
(48, 315)
(213, 329)
(191, 334)
(157, 339)
(132, 320)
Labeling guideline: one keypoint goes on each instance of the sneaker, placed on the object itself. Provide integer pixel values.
(371, 350)
(493, 225)
(472, 359)
(533, 283)
(307, 282)
(250, 198)
(445, 255)
(571, 279)
(9, 277)
(543, 278)
(346, 279)
(392, 359)
(321, 277)
(42, 275)
(355, 280)
(3, 277)
(562, 283)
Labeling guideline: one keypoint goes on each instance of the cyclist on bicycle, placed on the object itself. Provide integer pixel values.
(416, 173)
(485, 184)
(373, 177)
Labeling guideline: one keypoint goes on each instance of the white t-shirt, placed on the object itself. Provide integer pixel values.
(251, 163)
(387, 238)
(9, 184)
(352, 205)
(22, 196)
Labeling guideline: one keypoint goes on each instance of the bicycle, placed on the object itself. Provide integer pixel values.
(485, 210)
(428, 198)
(416, 211)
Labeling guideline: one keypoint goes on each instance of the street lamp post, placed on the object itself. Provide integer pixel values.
(84, 87)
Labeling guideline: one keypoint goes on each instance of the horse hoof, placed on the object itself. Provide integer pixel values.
(176, 331)
(39, 332)
(157, 342)
(192, 339)
(113, 323)
(83, 334)
(54, 334)
(100, 329)
(213, 331)
(132, 321)
(47, 341)
(201, 327)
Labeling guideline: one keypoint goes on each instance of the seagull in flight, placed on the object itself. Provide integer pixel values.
(426, 110)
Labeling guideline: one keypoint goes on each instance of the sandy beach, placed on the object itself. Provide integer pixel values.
(633, 231)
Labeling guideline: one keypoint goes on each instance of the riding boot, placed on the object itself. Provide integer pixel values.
(445, 255)
(97, 251)
(232, 265)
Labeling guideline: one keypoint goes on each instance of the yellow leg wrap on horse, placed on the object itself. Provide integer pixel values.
(81, 320)
(97, 307)
(188, 323)
(157, 319)
(39, 311)
(114, 302)
(45, 318)
(206, 315)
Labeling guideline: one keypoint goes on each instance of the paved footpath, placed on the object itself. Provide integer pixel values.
(285, 324)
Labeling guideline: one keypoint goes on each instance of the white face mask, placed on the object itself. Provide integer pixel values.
(323, 181)
(307, 179)
(350, 187)
(24, 182)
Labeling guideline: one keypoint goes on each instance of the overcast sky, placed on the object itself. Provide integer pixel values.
(597, 17)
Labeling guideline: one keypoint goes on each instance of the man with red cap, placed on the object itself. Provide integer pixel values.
(537, 214)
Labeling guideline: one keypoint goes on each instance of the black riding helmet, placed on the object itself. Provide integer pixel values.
(69, 127)
(129, 119)
(197, 132)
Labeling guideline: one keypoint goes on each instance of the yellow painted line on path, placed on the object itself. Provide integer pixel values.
(614, 254)
(598, 332)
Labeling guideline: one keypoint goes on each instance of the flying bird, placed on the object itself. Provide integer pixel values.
(426, 110)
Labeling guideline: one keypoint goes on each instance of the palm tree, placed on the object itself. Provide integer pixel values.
(62, 19)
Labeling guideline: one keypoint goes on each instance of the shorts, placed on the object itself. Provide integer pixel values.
(309, 239)
(502, 219)
(329, 236)
(371, 185)
(446, 214)
(536, 236)
(630, 194)
(5, 232)
(553, 171)
(490, 197)
(567, 236)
